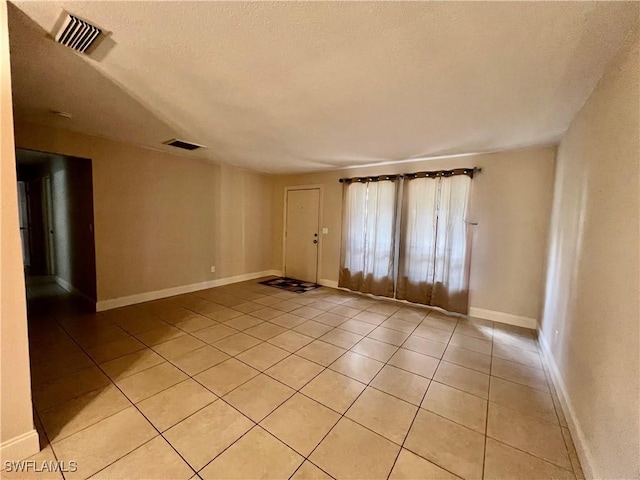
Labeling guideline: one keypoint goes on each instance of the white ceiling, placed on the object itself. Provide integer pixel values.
(301, 86)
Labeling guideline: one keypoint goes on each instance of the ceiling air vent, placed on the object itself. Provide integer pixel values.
(182, 144)
(77, 34)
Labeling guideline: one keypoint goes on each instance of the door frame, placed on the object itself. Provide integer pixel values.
(284, 225)
(90, 298)
(47, 217)
(25, 232)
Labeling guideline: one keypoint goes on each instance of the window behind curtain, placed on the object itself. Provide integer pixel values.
(432, 256)
(368, 237)
(417, 250)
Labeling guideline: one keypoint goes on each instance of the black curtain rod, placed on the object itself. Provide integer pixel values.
(409, 176)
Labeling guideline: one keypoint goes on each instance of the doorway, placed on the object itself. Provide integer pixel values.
(55, 196)
(35, 215)
(301, 237)
(35, 212)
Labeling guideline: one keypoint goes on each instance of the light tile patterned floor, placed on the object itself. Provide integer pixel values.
(248, 381)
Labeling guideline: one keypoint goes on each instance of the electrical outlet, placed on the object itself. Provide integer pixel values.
(213, 269)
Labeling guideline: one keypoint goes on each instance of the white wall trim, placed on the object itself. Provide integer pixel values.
(103, 305)
(327, 283)
(579, 439)
(73, 290)
(20, 447)
(502, 317)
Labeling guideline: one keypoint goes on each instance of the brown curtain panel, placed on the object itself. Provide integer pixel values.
(434, 255)
(368, 236)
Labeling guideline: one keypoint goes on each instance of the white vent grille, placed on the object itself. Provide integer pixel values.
(77, 34)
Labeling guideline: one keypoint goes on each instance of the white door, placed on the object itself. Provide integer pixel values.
(301, 235)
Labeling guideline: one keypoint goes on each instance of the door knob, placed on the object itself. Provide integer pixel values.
(315, 241)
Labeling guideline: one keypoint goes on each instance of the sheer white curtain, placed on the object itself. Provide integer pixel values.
(368, 236)
(433, 255)
(416, 268)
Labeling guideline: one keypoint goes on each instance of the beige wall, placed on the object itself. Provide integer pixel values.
(18, 437)
(161, 220)
(591, 318)
(511, 202)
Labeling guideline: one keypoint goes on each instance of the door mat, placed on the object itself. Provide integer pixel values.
(291, 284)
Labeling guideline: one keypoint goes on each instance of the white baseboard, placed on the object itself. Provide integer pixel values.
(502, 317)
(73, 290)
(579, 439)
(20, 447)
(103, 305)
(327, 283)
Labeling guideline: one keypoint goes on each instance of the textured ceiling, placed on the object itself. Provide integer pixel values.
(301, 86)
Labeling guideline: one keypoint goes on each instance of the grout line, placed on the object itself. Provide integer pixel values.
(530, 454)
(298, 391)
(232, 406)
(190, 377)
(419, 407)
(556, 407)
(132, 403)
(193, 413)
(386, 363)
(49, 444)
(486, 420)
(289, 354)
(305, 461)
(136, 448)
(342, 415)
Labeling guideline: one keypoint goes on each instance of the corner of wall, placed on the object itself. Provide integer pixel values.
(593, 361)
(580, 440)
(15, 391)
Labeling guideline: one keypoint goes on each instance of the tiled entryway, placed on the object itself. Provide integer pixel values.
(248, 381)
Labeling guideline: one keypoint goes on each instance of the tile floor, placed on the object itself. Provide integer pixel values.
(248, 381)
